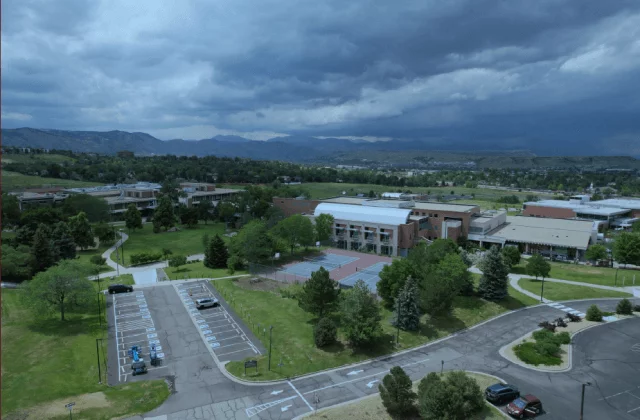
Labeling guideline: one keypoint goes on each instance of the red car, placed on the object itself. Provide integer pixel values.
(527, 406)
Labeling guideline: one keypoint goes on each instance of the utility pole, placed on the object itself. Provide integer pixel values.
(99, 292)
(398, 320)
(270, 335)
(542, 291)
(582, 400)
(122, 246)
(98, 354)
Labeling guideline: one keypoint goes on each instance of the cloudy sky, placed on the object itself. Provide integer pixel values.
(553, 76)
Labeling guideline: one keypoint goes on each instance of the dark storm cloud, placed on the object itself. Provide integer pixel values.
(474, 70)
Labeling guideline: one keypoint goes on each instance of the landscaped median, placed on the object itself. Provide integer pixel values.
(562, 291)
(265, 303)
(48, 363)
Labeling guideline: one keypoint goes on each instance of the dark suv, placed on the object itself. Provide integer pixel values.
(501, 393)
(120, 288)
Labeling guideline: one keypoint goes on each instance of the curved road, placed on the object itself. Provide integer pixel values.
(202, 391)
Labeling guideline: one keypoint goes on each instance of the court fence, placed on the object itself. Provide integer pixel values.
(274, 273)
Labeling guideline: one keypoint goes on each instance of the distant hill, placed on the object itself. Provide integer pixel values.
(305, 149)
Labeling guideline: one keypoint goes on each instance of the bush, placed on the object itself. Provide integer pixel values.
(574, 318)
(547, 348)
(98, 260)
(594, 314)
(177, 261)
(624, 307)
(528, 353)
(457, 396)
(325, 332)
(636, 308)
(562, 338)
(396, 392)
(145, 257)
(543, 335)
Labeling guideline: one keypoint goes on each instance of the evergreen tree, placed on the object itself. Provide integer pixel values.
(396, 392)
(319, 294)
(216, 255)
(42, 249)
(361, 315)
(133, 218)
(81, 231)
(63, 242)
(407, 307)
(164, 216)
(495, 275)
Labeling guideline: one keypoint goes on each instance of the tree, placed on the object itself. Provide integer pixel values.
(325, 332)
(442, 283)
(59, 288)
(626, 248)
(164, 217)
(253, 243)
(511, 255)
(205, 209)
(537, 266)
(189, 216)
(324, 226)
(63, 241)
(361, 315)
(396, 392)
(96, 208)
(177, 261)
(16, 262)
(205, 241)
(495, 275)
(319, 294)
(98, 260)
(226, 211)
(392, 280)
(635, 227)
(295, 230)
(104, 232)
(216, 254)
(132, 218)
(407, 315)
(597, 252)
(594, 314)
(456, 397)
(33, 217)
(81, 231)
(42, 251)
(10, 210)
(171, 189)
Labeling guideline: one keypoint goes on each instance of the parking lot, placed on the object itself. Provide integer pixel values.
(134, 326)
(227, 337)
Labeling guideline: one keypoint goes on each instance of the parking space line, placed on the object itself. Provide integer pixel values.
(115, 322)
(231, 352)
(637, 408)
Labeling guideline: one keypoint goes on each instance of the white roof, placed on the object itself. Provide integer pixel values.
(545, 231)
(587, 208)
(624, 203)
(392, 195)
(365, 214)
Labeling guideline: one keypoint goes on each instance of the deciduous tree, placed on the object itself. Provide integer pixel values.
(456, 397)
(296, 230)
(104, 232)
(253, 243)
(177, 261)
(63, 242)
(597, 252)
(205, 209)
(133, 218)
(42, 251)
(324, 226)
(10, 210)
(626, 248)
(361, 315)
(319, 294)
(96, 208)
(164, 217)
(392, 280)
(81, 231)
(511, 255)
(537, 266)
(16, 263)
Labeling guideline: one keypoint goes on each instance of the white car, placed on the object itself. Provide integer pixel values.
(207, 303)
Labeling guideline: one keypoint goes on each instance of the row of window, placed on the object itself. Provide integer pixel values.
(418, 213)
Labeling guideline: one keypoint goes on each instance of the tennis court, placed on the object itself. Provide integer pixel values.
(369, 275)
(328, 261)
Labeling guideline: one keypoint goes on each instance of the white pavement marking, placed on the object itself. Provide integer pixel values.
(370, 384)
(354, 372)
(252, 411)
(298, 392)
(115, 322)
(231, 352)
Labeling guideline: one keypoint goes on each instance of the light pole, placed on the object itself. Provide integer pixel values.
(398, 321)
(122, 246)
(582, 399)
(270, 335)
(98, 355)
(99, 292)
(542, 291)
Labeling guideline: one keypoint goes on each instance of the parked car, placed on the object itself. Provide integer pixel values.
(138, 367)
(207, 303)
(120, 288)
(527, 406)
(501, 393)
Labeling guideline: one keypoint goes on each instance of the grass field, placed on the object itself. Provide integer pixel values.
(586, 274)
(47, 362)
(85, 256)
(198, 270)
(45, 158)
(184, 242)
(562, 291)
(372, 409)
(293, 328)
(12, 181)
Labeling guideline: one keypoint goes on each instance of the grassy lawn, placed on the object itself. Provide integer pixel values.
(121, 279)
(47, 362)
(585, 273)
(45, 158)
(12, 181)
(293, 328)
(561, 291)
(372, 408)
(184, 242)
(198, 270)
(85, 256)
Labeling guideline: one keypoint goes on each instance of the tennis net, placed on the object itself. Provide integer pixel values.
(322, 262)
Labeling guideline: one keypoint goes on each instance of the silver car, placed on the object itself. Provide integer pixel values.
(207, 303)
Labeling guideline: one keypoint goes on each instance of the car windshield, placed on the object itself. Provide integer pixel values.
(520, 403)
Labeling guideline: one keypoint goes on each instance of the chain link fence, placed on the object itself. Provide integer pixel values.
(274, 273)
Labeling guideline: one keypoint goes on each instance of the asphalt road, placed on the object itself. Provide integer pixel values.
(201, 390)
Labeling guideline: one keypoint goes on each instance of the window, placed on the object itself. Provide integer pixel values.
(435, 228)
(435, 215)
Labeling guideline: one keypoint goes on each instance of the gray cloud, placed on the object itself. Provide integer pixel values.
(464, 70)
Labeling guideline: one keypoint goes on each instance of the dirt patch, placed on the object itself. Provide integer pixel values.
(260, 284)
(57, 408)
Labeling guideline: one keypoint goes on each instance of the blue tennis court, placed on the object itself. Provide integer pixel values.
(369, 275)
(329, 261)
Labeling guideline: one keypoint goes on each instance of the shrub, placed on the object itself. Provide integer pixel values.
(325, 332)
(543, 335)
(456, 396)
(594, 313)
(528, 353)
(574, 318)
(547, 348)
(98, 260)
(636, 308)
(624, 307)
(562, 338)
(145, 257)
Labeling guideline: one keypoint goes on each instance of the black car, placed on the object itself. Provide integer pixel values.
(138, 368)
(120, 288)
(501, 393)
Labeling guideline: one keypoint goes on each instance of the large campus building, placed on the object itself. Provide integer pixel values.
(610, 213)
(393, 226)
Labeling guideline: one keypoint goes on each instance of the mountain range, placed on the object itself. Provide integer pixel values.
(305, 149)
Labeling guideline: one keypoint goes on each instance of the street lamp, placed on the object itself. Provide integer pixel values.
(122, 245)
(542, 291)
(270, 335)
(98, 354)
(398, 320)
(582, 399)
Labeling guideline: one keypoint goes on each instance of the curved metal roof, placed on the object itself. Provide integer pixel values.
(365, 214)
